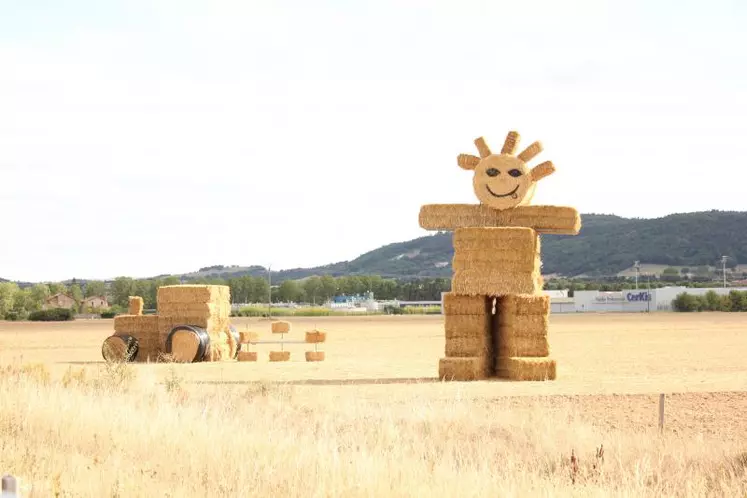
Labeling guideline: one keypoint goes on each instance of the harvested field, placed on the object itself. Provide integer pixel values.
(371, 419)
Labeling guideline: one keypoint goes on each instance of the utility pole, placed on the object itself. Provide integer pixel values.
(723, 268)
(637, 265)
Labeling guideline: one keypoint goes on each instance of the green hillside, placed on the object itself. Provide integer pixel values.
(606, 245)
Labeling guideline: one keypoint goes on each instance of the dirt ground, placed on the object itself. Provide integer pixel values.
(611, 367)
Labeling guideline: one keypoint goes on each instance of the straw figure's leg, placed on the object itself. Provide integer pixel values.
(520, 338)
(469, 343)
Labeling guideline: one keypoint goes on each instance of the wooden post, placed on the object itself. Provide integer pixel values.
(9, 487)
(661, 412)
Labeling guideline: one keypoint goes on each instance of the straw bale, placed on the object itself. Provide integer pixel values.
(513, 346)
(496, 283)
(497, 260)
(184, 346)
(525, 368)
(211, 325)
(135, 305)
(543, 219)
(518, 304)
(520, 239)
(280, 327)
(468, 346)
(523, 325)
(187, 294)
(280, 355)
(247, 356)
(467, 326)
(220, 309)
(316, 336)
(248, 337)
(464, 369)
(114, 348)
(135, 324)
(314, 355)
(455, 304)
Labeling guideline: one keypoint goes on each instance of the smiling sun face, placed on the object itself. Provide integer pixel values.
(503, 181)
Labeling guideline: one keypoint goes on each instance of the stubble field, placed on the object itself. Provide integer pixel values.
(373, 420)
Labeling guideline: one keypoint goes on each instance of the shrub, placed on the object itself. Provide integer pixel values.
(685, 302)
(711, 301)
(422, 310)
(52, 315)
(108, 314)
(14, 316)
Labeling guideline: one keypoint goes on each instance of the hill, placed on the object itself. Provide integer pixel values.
(606, 245)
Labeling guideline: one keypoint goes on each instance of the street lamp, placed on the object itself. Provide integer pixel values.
(637, 266)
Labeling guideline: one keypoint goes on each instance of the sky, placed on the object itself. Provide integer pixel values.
(147, 137)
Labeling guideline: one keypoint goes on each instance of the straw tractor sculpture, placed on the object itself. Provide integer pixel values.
(193, 325)
(496, 315)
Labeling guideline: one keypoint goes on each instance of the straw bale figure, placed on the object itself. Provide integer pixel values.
(496, 316)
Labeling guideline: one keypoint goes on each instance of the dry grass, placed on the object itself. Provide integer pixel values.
(367, 421)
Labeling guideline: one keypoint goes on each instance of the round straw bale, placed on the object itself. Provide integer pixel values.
(316, 336)
(314, 355)
(187, 344)
(280, 355)
(119, 348)
(247, 356)
(281, 327)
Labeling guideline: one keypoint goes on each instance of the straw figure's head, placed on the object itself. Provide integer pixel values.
(502, 181)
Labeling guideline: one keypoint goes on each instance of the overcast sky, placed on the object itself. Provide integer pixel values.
(158, 136)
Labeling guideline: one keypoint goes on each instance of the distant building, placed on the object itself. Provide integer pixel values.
(95, 302)
(59, 300)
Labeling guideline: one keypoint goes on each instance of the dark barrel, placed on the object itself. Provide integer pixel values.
(192, 343)
(119, 348)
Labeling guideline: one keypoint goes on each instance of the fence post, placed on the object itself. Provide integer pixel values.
(9, 487)
(661, 412)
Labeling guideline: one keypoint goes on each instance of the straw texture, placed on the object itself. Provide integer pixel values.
(543, 219)
(247, 356)
(523, 346)
(136, 325)
(314, 355)
(496, 283)
(523, 325)
(192, 294)
(530, 369)
(280, 355)
(248, 337)
(455, 304)
(478, 345)
(316, 336)
(521, 305)
(463, 369)
(135, 305)
(281, 327)
(467, 326)
(114, 349)
(217, 309)
(184, 345)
